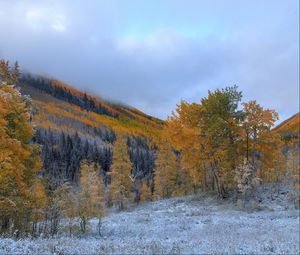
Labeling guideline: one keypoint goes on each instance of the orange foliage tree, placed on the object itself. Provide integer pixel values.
(19, 159)
(120, 189)
(214, 136)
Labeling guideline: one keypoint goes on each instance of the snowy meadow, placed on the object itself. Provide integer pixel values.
(186, 225)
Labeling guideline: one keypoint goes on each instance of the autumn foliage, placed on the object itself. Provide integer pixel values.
(19, 160)
(215, 136)
(96, 154)
(120, 190)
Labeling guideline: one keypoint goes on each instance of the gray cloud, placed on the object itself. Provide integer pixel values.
(152, 54)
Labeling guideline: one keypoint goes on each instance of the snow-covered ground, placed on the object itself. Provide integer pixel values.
(193, 224)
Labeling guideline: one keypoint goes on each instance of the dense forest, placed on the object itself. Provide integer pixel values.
(67, 155)
(62, 153)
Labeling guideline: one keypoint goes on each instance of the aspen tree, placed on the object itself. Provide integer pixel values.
(19, 159)
(121, 179)
(165, 171)
(91, 196)
(145, 192)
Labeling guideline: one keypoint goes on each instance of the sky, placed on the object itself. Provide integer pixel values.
(153, 53)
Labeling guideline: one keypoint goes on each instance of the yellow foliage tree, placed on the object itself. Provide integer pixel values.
(121, 179)
(182, 131)
(38, 203)
(273, 162)
(261, 145)
(66, 202)
(145, 192)
(91, 196)
(164, 171)
(256, 128)
(206, 136)
(170, 178)
(19, 159)
(293, 171)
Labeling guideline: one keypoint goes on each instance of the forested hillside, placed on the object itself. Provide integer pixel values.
(289, 128)
(73, 126)
(68, 155)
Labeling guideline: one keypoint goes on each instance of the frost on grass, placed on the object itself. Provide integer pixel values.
(179, 226)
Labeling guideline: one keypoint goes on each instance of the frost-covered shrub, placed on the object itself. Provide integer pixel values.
(246, 182)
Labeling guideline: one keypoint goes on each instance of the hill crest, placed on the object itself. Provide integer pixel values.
(57, 100)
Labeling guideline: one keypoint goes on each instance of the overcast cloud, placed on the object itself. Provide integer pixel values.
(152, 54)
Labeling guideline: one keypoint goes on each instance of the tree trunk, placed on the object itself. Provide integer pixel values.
(83, 224)
(99, 226)
(247, 149)
(219, 185)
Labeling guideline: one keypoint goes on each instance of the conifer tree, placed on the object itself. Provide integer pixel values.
(121, 178)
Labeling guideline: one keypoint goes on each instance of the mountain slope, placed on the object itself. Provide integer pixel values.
(290, 127)
(72, 126)
(59, 100)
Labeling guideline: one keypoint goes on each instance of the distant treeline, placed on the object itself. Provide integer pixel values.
(65, 94)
